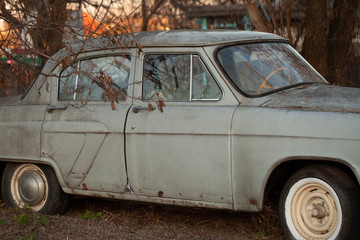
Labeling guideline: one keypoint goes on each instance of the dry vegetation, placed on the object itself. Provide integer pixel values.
(101, 219)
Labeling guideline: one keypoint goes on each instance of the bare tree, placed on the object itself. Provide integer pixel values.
(38, 29)
(35, 25)
(148, 10)
(315, 43)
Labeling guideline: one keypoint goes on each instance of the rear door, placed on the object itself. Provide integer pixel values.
(83, 130)
(180, 150)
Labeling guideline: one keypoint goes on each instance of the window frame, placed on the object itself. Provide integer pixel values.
(240, 90)
(190, 99)
(77, 63)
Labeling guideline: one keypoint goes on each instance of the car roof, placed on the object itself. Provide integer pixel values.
(200, 37)
(172, 38)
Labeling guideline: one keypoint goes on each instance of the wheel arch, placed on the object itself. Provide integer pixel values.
(286, 168)
(48, 162)
(2, 167)
(46, 195)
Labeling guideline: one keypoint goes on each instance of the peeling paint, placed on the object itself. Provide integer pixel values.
(318, 98)
(253, 202)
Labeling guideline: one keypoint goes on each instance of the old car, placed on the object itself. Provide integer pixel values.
(213, 119)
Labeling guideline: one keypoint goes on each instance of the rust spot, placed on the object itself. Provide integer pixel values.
(253, 202)
(110, 195)
(180, 194)
(96, 195)
(201, 196)
(84, 186)
(160, 194)
(222, 198)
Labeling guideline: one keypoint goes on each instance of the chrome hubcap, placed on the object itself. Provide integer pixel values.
(29, 186)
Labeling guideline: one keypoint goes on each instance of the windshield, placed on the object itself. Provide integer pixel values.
(259, 68)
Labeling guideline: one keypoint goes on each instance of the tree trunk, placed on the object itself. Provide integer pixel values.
(288, 21)
(341, 34)
(58, 18)
(47, 33)
(258, 18)
(315, 42)
(144, 14)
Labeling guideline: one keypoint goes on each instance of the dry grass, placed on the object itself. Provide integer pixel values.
(218, 223)
(134, 221)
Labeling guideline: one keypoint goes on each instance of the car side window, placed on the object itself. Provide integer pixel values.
(204, 86)
(95, 79)
(177, 77)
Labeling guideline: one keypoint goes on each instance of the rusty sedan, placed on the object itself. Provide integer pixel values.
(214, 119)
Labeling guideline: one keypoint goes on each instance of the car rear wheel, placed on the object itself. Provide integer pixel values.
(32, 185)
(320, 202)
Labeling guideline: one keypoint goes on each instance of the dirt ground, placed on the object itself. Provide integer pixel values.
(102, 219)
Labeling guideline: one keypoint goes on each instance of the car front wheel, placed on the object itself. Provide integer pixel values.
(31, 185)
(320, 202)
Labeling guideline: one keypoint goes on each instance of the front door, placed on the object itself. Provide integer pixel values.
(83, 130)
(181, 149)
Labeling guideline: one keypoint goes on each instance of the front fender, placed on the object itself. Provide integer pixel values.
(265, 138)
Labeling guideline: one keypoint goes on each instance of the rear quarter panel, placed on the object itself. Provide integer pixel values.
(20, 128)
(21, 120)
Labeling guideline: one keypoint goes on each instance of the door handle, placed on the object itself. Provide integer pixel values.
(137, 109)
(52, 108)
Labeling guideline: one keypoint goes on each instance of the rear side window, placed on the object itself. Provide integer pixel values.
(177, 77)
(96, 79)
